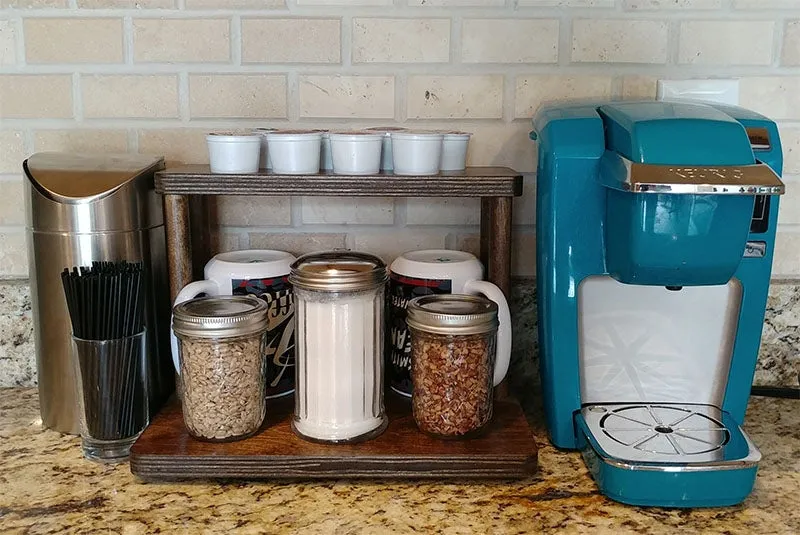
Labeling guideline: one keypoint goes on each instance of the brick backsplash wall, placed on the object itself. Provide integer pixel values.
(153, 76)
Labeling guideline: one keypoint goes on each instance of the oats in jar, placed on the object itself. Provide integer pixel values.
(221, 365)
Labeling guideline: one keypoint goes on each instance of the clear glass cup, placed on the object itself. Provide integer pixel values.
(112, 381)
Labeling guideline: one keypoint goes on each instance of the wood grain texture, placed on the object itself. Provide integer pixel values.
(507, 450)
(499, 242)
(474, 182)
(179, 242)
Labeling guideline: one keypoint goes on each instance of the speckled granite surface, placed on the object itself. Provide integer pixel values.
(779, 363)
(47, 487)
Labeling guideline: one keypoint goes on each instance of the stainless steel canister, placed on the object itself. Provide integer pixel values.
(80, 209)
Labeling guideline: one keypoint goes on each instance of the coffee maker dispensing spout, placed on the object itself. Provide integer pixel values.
(655, 235)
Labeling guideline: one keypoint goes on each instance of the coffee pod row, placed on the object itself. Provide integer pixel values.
(348, 152)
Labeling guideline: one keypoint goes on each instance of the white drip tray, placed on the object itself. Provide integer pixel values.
(659, 432)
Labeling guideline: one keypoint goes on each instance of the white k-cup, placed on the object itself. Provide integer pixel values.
(417, 273)
(264, 274)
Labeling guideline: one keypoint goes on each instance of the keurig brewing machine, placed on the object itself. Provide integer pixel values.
(655, 235)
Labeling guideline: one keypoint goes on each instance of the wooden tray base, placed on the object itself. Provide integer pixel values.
(165, 451)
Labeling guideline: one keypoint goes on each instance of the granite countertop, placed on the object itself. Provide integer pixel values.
(47, 487)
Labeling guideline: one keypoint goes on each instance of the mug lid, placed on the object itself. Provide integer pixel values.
(438, 256)
(220, 316)
(255, 256)
(334, 271)
(452, 314)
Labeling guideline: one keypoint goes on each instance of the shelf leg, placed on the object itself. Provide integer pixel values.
(496, 240)
(496, 253)
(179, 242)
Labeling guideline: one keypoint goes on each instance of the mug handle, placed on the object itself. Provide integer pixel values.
(493, 293)
(190, 291)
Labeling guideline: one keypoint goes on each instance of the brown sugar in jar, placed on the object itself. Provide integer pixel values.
(453, 339)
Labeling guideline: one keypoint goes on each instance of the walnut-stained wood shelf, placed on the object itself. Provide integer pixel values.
(507, 450)
(186, 189)
(189, 216)
(473, 182)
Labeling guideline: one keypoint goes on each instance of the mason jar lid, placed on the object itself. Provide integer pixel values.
(452, 314)
(336, 271)
(220, 316)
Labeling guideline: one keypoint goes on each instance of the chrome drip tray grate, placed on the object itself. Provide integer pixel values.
(659, 432)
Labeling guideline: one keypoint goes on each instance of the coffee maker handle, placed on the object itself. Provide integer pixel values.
(492, 292)
(190, 291)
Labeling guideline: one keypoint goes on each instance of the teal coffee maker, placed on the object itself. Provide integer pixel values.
(655, 235)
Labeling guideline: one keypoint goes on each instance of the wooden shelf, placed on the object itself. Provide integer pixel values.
(165, 451)
(473, 182)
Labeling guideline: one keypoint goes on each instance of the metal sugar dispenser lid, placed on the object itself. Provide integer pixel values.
(220, 316)
(452, 314)
(338, 271)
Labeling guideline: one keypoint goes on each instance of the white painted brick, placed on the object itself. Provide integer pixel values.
(401, 40)
(503, 144)
(33, 4)
(12, 151)
(644, 5)
(348, 210)
(639, 87)
(449, 211)
(765, 4)
(790, 140)
(619, 41)
(344, 3)
(786, 262)
(226, 241)
(81, 140)
(509, 41)
(455, 97)
(726, 42)
(126, 4)
(524, 210)
(790, 203)
(33, 96)
(565, 3)
(241, 211)
(333, 96)
(8, 43)
(775, 97)
(180, 41)
(291, 40)
(532, 91)
(13, 254)
(791, 43)
(12, 202)
(297, 243)
(234, 95)
(455, 3)
(130, 96)
(523, 254)
(235, 4)
(73, 40)
(392, 243)
(469, 243)
(177, 145)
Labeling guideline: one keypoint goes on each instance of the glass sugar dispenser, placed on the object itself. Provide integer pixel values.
(453, 350)
(339, 305)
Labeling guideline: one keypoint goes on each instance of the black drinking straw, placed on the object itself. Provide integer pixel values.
(105, 302)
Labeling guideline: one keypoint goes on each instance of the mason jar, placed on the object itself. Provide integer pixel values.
(220, 361)
(453, 343)
(339, 301)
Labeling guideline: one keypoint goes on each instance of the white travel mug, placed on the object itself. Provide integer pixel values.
(417, 273)
(264, 274)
